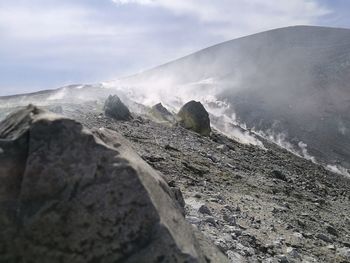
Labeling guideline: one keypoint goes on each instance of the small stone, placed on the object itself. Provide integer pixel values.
(279, 175)
(292, 252)
(229, 208)
(237, 232)
(282, 259)
(331, 230)
(172, 183)
(229, 219)
(197, 195)
(210, 220)
(324, 238)
(204, 210)
(307, 235)
(212, 158)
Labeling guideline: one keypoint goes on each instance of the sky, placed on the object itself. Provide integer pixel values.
(47, 44)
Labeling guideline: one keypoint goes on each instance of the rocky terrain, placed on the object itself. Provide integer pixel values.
(256, 204)
(112, 178)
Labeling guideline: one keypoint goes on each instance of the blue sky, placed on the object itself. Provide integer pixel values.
(49, 43)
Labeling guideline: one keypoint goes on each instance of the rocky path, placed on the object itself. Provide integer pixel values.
(257, 205)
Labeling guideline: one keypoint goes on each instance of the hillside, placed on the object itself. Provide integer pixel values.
(290, 83)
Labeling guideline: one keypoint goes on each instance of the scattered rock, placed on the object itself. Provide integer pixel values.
(279, 175)
(193, 116)
(331, 230)
(204, 210)
(324, 238)
(211, 220)
(116, 109)
(230, 219)
(197, 195)
(160, 113)
(293, 252)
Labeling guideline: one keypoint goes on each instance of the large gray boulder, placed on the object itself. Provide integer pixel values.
(194, 116)
(71, 195)
(116, 109)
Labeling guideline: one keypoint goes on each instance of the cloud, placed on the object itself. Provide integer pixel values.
(50, 43)
(241, 16)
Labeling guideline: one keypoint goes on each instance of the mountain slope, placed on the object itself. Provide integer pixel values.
(290, 83)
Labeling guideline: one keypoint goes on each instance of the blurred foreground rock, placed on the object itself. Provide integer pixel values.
(69, 195)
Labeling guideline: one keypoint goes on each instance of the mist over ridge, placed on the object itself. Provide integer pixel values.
(291, 82)
(289, 85)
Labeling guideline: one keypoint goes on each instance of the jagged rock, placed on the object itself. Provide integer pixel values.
(194, 116)
(279, 175)
(204, 210)
(331, 230)
(159, 113)
(116, 109)
(324, 238)
(69, 195)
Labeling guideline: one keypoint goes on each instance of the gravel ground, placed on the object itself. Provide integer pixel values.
(256, 205)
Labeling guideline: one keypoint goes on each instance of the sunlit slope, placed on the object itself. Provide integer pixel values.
(293, 80)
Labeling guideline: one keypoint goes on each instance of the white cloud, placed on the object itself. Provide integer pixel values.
(102, 40)
(240, 17)
(36, 23)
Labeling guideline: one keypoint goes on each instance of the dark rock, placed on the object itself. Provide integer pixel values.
(116, 109)
(279, 175)
(171, 148)
(69, 195)
(204, 210)
(229, 219)
(324, 238)
(159, 113)
(193, 116)
(211, 220)
(331, 230)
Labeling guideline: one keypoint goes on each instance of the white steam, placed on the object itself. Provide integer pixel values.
(338, 169)
(174, 96)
